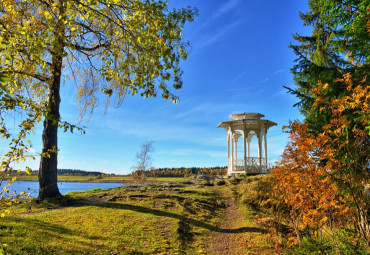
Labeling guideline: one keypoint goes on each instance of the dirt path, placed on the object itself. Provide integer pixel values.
(228, 242)
(238, 235)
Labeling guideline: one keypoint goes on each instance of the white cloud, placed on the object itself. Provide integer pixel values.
(279, 71)
(238, 77)
(217, 141)
(195, 122)
(262, 81)
(228, 6)
(281, 92)
(220, 34)
(247, 94)
(192, 152)
(205, 109)
(154, 129)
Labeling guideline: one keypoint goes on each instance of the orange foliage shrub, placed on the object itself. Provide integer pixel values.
(305, 185)
(323, 173)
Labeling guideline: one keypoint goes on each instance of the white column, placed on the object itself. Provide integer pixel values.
(265, 147)
(228, 145)
(236, 151)
(249, 148)
(260, 148)
(245, 152)
(259, 145)
(232, 151)
(228, 151)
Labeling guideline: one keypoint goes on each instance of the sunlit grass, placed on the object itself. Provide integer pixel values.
(141, 219)
(128, 220)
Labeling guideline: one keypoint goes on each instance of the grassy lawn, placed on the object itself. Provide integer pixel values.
(127, 220)
(149, 219)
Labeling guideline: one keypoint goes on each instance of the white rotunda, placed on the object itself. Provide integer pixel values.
(246, 125)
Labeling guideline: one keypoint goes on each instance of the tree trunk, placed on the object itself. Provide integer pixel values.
(49, 159)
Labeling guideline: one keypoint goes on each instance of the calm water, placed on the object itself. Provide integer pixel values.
(33, 187)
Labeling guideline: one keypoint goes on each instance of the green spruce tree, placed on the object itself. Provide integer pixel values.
(339, 43)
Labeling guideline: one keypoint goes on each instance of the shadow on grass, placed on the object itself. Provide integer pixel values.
(41, 226)
(67, 201)
(182, 218)
(35, 224)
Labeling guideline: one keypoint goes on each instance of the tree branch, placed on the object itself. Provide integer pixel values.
(83, 49)
(36, 76)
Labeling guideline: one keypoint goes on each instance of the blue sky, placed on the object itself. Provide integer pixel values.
(239, 62)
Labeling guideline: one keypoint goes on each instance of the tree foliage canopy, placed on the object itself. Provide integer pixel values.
(110, 47)
(340, 38)
(322, 176)
(324, 172)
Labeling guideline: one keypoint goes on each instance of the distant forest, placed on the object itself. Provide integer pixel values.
(74, 172)
(159, 172)
(185, 172)
(77, 172)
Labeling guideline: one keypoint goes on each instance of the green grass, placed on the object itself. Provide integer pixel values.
(143, 219)
(127, 220)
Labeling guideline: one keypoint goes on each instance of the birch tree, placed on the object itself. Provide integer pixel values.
(112, 48)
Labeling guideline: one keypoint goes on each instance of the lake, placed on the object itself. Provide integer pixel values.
(64, 187)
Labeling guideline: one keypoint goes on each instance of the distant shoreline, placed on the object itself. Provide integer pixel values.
(109, 179)
(62, 180)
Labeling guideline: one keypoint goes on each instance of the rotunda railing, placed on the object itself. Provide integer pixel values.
(252, 165)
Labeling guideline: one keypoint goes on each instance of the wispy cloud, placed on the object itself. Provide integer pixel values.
(262, 81)
(157, 129)
(205, 109)
(218, 141)
(244, 88)
(226, 7)
(238, 77)
(195, 122)
(281, 92)
(279, 71)
(248, 94)
(189, 152)
(220, 34)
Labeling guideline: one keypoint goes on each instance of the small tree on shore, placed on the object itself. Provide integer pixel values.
(143, 162)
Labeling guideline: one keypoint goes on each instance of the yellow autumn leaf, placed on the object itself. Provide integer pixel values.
(47, 15)
(348, 55)
(323, 220)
